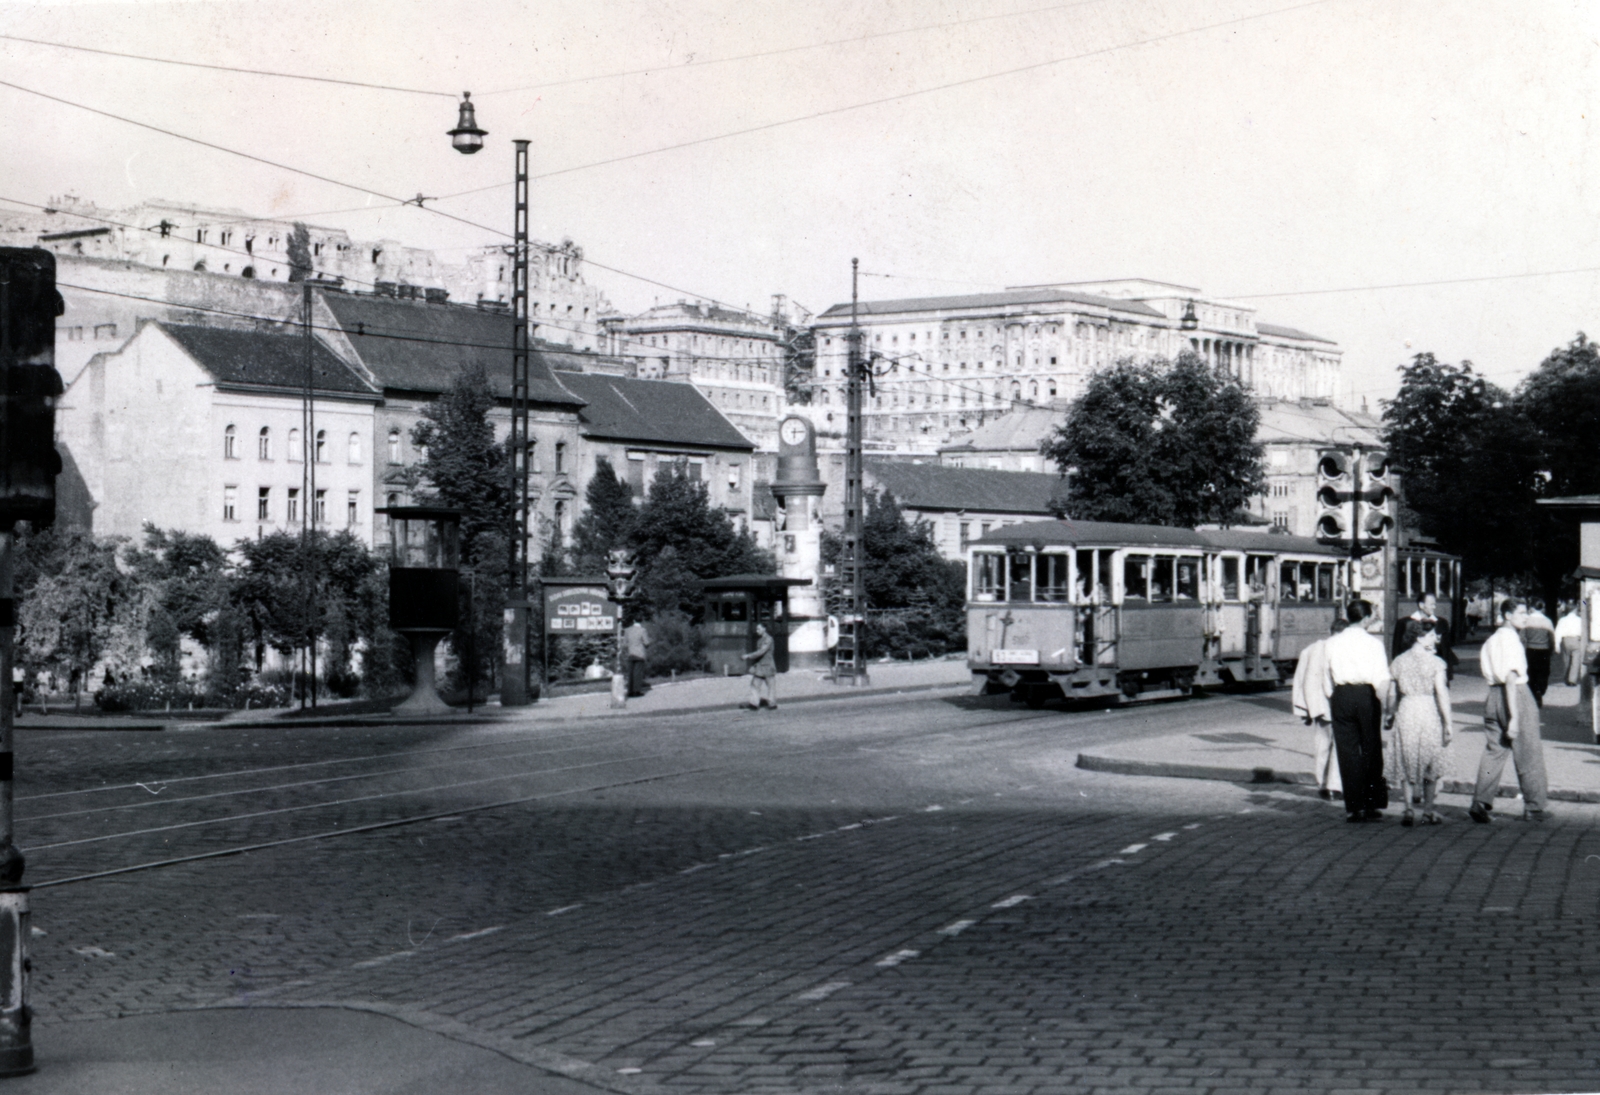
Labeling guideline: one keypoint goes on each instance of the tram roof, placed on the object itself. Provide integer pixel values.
(1116, 534)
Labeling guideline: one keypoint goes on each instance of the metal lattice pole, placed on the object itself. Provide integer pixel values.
(514, 687)
(849, 658)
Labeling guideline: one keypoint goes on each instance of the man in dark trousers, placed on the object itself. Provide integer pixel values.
(636, 642)
(1356, 683)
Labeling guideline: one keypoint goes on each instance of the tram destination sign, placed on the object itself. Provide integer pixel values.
(1014, 656)
(579, 610)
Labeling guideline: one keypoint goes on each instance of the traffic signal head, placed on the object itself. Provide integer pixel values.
(29, 463)
(620, 574)
(1377, 493)
(1335, 488)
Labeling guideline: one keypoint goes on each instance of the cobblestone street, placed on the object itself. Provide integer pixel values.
(874, 895)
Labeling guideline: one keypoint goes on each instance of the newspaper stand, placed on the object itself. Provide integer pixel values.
(424, 551)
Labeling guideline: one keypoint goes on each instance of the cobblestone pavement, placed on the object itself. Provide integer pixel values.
(901, 895)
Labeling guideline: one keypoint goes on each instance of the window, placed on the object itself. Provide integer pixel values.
(103, 331)
(291, 512)
(264, 504)
(355, 448)
(1188, 580)
(1053, 585)
(1230, 578)
(394, 446)
(966, 533)
(1161, 579)
(1021, 568)
(561, 457)
(319, 515)
(988, 570)
(295, 453)
(264, 444)
(1280, 519)
(230, 503)
(352, 508)
(561, 517)
(321, 450)
(1288, 582)
(636, 474)
(1136, 578)
(735, 476)
(230, 443)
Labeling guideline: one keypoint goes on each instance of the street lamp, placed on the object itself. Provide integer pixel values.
(515, 689)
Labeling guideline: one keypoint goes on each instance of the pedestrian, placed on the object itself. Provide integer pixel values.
(1357, 684)
(1312, 707)
(763, 672)
(637, 642)
(1510, 721)
(1569, 640)
(1421, 717)
(1539, 640)
(1427, 612)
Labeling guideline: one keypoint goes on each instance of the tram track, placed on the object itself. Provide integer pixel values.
(901, 738)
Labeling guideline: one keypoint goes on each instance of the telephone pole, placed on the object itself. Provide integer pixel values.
(849, 663)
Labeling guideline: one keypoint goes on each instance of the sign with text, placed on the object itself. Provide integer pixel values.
(579, 610)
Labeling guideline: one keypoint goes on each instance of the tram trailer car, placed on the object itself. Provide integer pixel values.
(1091, 609)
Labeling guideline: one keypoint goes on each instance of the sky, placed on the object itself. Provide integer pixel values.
(1397, 175)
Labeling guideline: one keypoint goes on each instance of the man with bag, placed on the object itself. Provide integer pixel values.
(1510, 722)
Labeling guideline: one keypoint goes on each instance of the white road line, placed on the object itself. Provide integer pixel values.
(1163, 836)
(564, 909)
(1133, 849)
(1192, 825)
(381, 959)
(932, 809)
(479, 934)
(1011, 902)
(822, 992)
(895, 959)
(957, 928)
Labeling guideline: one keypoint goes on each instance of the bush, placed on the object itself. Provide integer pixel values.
(675, 644)
(154, 695)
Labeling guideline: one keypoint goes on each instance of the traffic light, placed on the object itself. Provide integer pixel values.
(1335, 488)
(29, 463)
(620, 573)
(1377, 492)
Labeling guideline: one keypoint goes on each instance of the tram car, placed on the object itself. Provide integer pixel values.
(1089, 609)
(1422, 570)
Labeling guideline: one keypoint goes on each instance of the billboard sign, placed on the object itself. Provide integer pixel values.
(579, 610)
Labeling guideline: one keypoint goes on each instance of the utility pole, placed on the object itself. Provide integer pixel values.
(308, 487)
(514, 691)
(849, 664)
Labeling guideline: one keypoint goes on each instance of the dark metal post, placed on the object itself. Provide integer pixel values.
(514, 686)
(849, 658)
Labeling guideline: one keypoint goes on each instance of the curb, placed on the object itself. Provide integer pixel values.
(818, 697)
(1124, 767)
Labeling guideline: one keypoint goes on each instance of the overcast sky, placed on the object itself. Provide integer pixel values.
(1261, 150)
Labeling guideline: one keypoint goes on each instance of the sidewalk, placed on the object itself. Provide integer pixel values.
(1280, 750)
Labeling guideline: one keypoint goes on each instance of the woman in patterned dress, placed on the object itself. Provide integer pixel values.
(1421, 719)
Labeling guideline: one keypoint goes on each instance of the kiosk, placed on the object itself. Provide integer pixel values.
(424, 551)
(733, 608)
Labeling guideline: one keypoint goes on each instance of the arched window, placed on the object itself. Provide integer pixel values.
(394, 445)
(264, 444)
(295, 452)
(355, 448)
(230, 443)
(320, 453)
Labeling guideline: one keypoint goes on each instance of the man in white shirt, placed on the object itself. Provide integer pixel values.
(1569, 640)
(1312, 707)
(1510, 721)
(1539, 640)
(1357, 686)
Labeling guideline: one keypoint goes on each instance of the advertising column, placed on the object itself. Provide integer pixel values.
(798, 541)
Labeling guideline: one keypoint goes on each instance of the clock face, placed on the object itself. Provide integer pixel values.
(794, 432)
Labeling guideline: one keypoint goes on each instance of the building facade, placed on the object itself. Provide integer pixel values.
(949, 364)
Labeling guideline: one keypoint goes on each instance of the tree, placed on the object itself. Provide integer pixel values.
(1161, 443)
(677, 514)
(916, 597)
(1468, 461)
(187, 574)
(607, 523)
(465, 466)
(73, 602)
(1560, 400)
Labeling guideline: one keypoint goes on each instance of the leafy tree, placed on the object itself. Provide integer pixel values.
(187, 575)
(915, 596)
(1469, 461)
(677, 514)
(73, 603)
(1162, 443)
(608, 522)
(1561, 401)
(465, 466)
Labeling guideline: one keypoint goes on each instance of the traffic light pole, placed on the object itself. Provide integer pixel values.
(16, 1039)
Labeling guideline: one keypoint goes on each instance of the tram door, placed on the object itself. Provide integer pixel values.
(1261, 620)
(1232, 612)
(1097, 614)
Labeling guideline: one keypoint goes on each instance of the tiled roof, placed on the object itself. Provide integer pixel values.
(991, 300)
(623, 408)
(419, 347)
(268, 359)
(1317, 422)
(1093, 532)
(1019, 430)
(1272, 330)
(980, 490)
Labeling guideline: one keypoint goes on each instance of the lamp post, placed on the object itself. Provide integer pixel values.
(467, 139)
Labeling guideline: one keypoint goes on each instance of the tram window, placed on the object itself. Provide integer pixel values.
(1413, 571)
(1256, 569)
(1325, 582)
(1161, 579)
(1288, 584)
(1102, 587)
(1308, 581)
(1136, 578)
(1086, 575)
(1230, 578)
(987, 571)
(735, 611)
(1430, 576)
(1021, 567)
(1188, 584)
(1053, 583)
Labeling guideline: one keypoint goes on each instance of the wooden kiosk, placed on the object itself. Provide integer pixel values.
(733, 608)
(424, 551)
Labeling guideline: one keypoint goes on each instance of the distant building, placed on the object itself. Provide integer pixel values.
(948, 364)
(1293, 433)
(1008, 442)
(961, 504)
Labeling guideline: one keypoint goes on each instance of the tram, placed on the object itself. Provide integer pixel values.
(1090, 609)
(1423, 570)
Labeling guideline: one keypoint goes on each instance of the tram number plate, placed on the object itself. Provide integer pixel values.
(1014, 657)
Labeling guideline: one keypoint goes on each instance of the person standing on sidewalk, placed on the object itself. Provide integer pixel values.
(1312, 707)
(636, 640)
(1421, 716)
(1510, 722)
(1356, 684)
(763, 672)
(1427, 612)
(1569, 640)
(1539, 640)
